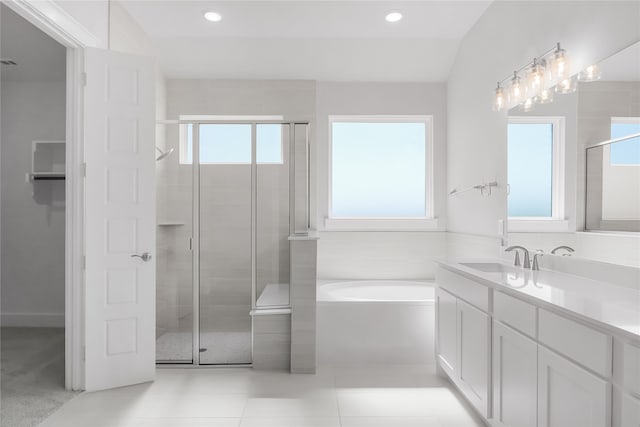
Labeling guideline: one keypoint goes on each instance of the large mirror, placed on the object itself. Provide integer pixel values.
(574, 163)
(613, 157)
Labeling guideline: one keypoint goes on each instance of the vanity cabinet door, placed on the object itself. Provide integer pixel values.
(447, 352)
(570, 396)
(474, 355)
(515, 378)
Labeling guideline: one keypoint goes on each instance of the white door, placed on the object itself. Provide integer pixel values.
(119, 219)
(447, 332)
(474, 337)
(569, 396)
(515, 378)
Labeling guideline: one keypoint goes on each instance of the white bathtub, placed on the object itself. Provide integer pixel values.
(375, 322)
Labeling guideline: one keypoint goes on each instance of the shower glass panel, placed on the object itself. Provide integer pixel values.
(225, 242)
(272, 215)
(174, 285)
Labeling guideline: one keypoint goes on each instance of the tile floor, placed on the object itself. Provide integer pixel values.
(240, 397)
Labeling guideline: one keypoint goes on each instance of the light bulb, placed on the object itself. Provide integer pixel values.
(499, 99)
(590, 74)
(566, 86)
(213, 17)
(544, 97)
(527, 105)
(516, 90)
(393, 16)
(535, 77)
(559, 63)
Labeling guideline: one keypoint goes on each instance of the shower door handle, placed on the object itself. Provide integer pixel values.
(145, 256)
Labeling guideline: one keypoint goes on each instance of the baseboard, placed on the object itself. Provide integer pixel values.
(46, 320)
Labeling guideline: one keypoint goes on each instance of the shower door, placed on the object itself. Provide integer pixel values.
(243, 233)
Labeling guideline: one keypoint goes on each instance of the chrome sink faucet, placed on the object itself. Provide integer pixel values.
(516, 260)
(535, 266)
(569, 250)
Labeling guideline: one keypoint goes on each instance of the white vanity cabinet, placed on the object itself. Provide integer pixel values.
(515, 379)
(464, 337)
(525, 363)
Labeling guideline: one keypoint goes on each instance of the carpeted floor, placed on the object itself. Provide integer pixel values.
(32, 375)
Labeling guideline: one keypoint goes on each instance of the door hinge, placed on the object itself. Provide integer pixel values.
(84, 353)
(84, 78)
(190, 243)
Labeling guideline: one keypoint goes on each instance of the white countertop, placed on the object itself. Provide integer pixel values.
(614, 307)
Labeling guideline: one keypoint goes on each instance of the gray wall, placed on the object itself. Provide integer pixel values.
(33, 214)
(477, 136)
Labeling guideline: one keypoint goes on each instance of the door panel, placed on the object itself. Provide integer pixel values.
(447, 332)
(569, 396)
(515, 367)
(119, 219)
(225, 243)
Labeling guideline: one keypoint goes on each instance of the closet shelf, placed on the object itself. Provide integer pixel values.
(47, 176)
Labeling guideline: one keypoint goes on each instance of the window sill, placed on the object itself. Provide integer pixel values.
(538, 225)
(381, 224)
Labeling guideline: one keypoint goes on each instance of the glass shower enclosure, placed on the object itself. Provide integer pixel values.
(228, 201)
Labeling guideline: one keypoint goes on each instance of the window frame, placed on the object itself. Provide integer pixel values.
(557, 222)
(420, 223)
(197, 120)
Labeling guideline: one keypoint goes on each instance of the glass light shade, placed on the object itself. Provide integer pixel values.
(499, 99)
(535, 78)
(544, 97)
(590, 74)
(516, 90)
(566, 86)
(559, 64)
(527, 105)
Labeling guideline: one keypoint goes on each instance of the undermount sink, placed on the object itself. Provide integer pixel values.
(489, 267)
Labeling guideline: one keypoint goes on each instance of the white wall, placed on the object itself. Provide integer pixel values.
(360, 255)
(498, 43)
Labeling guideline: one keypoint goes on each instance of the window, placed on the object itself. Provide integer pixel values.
(380, 168)
(231, 143)
(625, 152)
(535, 169)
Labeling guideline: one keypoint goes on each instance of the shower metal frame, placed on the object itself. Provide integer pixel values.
(195, 229)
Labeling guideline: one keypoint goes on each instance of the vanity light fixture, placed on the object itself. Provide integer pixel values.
(566, 86)
(544, 97)
(393, 16)
(546, 74)
(500, 99)
(516, 89)
(536, 77)
(590, 74)
(559, 64)
(213, 16)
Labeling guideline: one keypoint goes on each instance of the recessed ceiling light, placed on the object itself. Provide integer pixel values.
(213, 16)
(393, 16)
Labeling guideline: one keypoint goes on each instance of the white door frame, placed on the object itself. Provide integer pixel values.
(62, 27)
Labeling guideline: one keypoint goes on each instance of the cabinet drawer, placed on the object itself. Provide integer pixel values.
(465, 289)
(515, 313)
(626, 366)
(586, 346)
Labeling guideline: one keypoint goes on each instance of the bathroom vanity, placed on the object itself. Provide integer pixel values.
(539, 348)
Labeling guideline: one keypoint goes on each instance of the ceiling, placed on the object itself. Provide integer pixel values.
(318, 40)
(39, 57)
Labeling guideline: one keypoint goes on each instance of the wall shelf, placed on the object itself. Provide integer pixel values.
(47, 176)
(170, 223)
(47, 161)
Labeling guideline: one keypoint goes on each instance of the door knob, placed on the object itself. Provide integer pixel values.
(145, 256)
